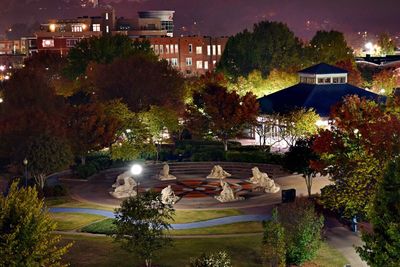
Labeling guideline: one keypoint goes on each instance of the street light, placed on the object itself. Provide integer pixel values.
(25, 161)
(136, 169)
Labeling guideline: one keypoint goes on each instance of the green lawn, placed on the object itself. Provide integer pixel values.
(103, 227)
(66, 202)
(70, 221)
(245, 252)
(184, 216)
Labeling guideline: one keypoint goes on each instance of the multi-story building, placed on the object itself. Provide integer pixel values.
(192, 55)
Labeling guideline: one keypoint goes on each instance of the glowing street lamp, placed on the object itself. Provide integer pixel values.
(136, 169)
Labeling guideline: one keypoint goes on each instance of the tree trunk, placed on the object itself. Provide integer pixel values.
(148, 262)
(225, 145)
(83, 160)
(40, 180)
(309, 179)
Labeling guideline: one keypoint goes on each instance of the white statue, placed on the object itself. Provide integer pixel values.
(261, 179)
(168, 196)
(227, 194)
(164, 173)
(124, 186)
(218, 173)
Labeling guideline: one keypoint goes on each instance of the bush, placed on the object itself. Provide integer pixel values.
(55, 191)
(87, 170)
(209, 155)
(219, 259)
(255, 156)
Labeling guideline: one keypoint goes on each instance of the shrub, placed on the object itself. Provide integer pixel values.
(209, 155)
(87, 170)
(254, 156)
(55, 191)
(219, 259)
(274, 251)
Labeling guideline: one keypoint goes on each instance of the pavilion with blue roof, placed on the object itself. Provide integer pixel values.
(321, 86)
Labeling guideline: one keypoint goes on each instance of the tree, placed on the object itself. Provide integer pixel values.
(299, 158)
(384, 82)
(363, 137)
(273, 46)
(91, 129)
(141, 223)
(302, 227)
(47, 154)
(26, 230)
(387, 44)
(354, 76)
(104, 50)
(329, 47)
(225, 114)
(161, 122)
(139, 82)
(382, 245)
(218, 259)
(274, 251)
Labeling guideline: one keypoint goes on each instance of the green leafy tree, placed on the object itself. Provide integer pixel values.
(299, 158)
(271, 45)
(329, 47)
(387, 44)
(104, 50)
(302, 228)
(382, 245)
(141, 225)
(218, 259)
(161, 122)
(224, 114)
(274, 247)
(26, 230)
(47, 154)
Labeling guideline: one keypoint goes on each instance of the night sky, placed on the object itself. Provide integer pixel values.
(226, 17)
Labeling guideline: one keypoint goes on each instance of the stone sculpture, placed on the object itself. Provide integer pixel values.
(218, 173)
(261, 179)
(227, 194)
(124, 186)
(168, 196)
(164, 173)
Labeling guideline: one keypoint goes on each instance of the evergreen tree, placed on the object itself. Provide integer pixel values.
(382, 246)
(26, 237)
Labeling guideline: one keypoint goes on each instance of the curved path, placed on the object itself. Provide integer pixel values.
(176, 226)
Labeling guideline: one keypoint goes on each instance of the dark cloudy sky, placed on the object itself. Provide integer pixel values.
(226, 17)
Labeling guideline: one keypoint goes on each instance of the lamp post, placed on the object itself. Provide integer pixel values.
(25, 161)
(136, 169)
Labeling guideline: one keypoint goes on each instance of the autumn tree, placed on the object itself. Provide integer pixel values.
(363, 138)
(329, 47)
(273, 46)
(382, 245)
(139, 82)
(225, 114)
(142, 223)
(91, 129)
(27, 231)
(387, 44)
(384, 82)
(354, 75)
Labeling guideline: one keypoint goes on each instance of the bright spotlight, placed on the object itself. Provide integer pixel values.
(136, 169)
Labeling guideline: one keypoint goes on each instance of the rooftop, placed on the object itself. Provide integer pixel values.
(322, 68)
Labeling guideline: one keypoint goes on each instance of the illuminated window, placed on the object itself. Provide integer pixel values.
(174, 62)
(342, 79)
(176, 49)
(107, 29)
(199, 64)
(48, 43)
(161, 49)
(156, 50)
(199, 50)
(189, 61)
(214, 62)
(214, 49)
(219, 50)
(206, 65)
(171, 48)
(72, 42)
(76, 28)
(96, 27)
(166, 49)
(106, 16)
(208, 50)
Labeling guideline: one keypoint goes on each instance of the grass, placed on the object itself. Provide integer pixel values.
(106, 227)
(66, 202)
(245, 252)
(185, 216)
(71, 221)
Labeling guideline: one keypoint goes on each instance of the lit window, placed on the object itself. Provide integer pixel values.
(76, 28)
(72, 42)
(188, 61)
(176, 49)
(166, 49)
(335, 80)
(208, 50)
(214, 62)
(174, 62)
(107, 29)
(106, 16)
(161, 49)
(96, 27)
(342, 79)
(199, 50)
(156, 50)
(219, 50)
(171, 48)
(190, 48)
(320, 80)
(206, 65)
(199, 64)
(48, 43)
(214, 49)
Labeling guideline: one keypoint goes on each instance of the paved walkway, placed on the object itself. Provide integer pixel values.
(176, 226)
